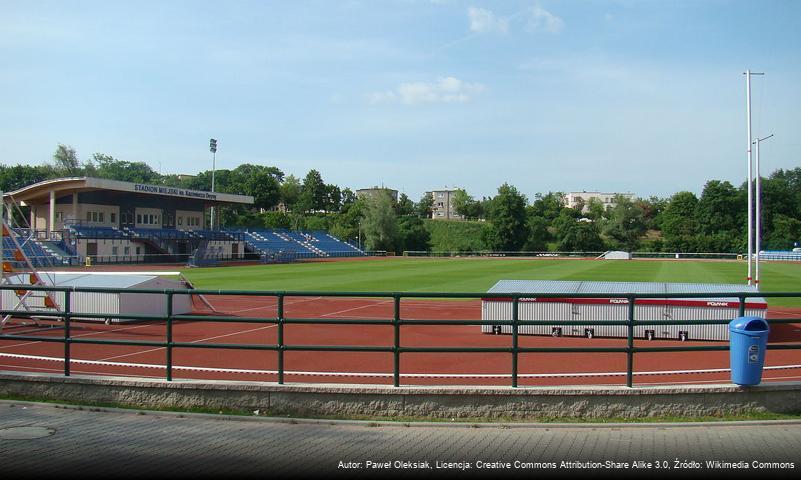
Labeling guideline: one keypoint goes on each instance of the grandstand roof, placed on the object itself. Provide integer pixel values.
(40, 192)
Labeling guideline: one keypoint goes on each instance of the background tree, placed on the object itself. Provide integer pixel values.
(507, 213)
(425, 206)
(626, 224)
(595, 209)
(380, 225)
(538, 235)
(333, 198)
(65, 161)
(19, 176)
(549, 206)
(405, 206)
(313, 193)
(260, 182)
(412, 234)
(679, 225)
(290, 191)
(466, 205)
(106, 166)
(581, 236)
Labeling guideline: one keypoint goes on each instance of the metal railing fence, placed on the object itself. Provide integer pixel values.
(66, 314)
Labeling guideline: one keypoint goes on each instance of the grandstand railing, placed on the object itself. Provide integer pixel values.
(396, 348)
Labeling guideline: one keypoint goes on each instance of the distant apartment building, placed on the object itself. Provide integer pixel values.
(370, 192)
(442, 207)
(576, 199)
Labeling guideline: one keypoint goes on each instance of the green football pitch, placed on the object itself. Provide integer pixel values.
(475, 275)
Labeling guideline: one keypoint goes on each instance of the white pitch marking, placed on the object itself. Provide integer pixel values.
(193, 341)
(85, 334)
(276, 304)
(357, 308)
(379, 374)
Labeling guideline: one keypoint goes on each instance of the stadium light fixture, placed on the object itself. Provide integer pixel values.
(758, 213)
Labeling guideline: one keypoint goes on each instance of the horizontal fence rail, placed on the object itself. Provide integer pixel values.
(66, 314)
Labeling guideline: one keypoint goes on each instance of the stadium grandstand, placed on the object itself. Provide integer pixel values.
(66, 221)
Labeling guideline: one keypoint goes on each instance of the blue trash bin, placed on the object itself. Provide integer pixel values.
(748, 337)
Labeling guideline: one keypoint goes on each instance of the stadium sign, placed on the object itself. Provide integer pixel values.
(172, 191)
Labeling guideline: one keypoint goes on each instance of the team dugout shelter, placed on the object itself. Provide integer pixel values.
(101, 218)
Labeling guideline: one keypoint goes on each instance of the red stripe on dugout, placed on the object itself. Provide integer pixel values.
(639, 301)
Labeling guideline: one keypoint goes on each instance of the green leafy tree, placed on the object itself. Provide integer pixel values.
(718, 208)
(538, 235)
(581, 236)
(258, 181)
(564, 221)
(290, 191)
(548, 206)
(348, 197)
(65, 161)
(346, 224)
(425, 206)
(785, 233)
(507, 213)
(405, 206)
(466, 205)
(412, 234)
(333, 198)
(595, 209)
(380, 225)
(313, 193)
(626, 224)
(19, 176)
(679, 225)
(106, 166)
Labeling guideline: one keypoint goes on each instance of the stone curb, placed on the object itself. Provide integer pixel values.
(310, 400)
(411, 424)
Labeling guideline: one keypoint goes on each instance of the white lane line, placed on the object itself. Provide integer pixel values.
(274, 305)
(357, 308)
(86, 334)
(385, 375)
(193, 341)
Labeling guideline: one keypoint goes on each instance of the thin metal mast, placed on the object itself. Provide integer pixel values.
(750, 186)
(758, 213)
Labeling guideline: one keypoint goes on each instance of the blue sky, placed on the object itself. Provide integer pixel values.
(638, 96)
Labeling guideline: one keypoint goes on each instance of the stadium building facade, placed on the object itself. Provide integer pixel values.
(66, 221)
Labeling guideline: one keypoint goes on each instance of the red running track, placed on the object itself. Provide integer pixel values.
(535, 369)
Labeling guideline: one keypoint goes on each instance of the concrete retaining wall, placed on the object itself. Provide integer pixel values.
(432, 402)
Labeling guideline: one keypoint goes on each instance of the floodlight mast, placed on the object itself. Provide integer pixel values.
(748, 74)
(213, 150)
(758, 213)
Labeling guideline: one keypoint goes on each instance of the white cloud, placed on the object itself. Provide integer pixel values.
(444, 90)
(484, 21)
(541, 20)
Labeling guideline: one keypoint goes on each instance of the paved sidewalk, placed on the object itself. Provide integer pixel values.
(50, 441)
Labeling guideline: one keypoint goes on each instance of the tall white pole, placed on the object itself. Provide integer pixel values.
(758, 213)
(750, 169)
(750, 228)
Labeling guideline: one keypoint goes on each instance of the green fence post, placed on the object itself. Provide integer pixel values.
(280, 339)
(630, 346)
(396, 346)
(742, 305)
(514, 341)
(67, 338)
(169, 335)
